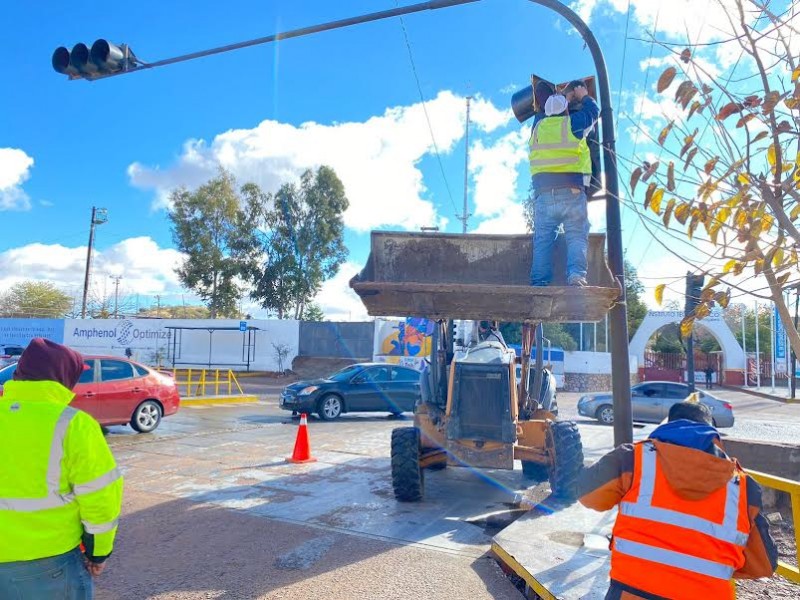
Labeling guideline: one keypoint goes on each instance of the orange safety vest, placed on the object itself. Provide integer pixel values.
(677, 548)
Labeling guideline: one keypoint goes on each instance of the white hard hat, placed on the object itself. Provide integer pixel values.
(555, 105)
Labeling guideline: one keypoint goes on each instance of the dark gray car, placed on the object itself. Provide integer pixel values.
(651, 402)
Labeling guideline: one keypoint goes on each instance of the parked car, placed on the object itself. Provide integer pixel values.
(116, 391)
(9, 354)
(651, 402)
(361, 387)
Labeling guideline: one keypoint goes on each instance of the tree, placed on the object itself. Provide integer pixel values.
(555, 332)
(668, 340)
(300, 233)
(637, 309)
(734, 189)
(312, 312)
(733, 317)
(35, 299)
(176, 312)
(211, 229)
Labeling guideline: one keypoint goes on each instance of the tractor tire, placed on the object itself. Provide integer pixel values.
(564, 440)
(407, 476)
(534, 471)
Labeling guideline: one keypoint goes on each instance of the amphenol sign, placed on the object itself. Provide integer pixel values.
(109, 335)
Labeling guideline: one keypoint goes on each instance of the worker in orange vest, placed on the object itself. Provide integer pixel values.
(689, 517)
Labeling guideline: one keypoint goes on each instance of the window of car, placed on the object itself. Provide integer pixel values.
(345, 374)
(7, 373)
(649, 389)
(140, 371)
(88, 374)
(675, 391)
(14, 350)
(375, 375)
(402, 374)
(114, 370)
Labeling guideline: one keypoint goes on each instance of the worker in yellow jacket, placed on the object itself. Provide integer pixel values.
(60, 490)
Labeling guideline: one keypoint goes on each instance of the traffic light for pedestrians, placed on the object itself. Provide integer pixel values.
(694, 290)
(102, 59)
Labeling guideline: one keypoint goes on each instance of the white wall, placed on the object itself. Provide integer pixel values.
(150, 339)
(593, 363)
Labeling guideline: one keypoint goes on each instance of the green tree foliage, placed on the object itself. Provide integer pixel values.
(667, 340)
(634, 289)
(312, 312)
(211, 229)
(300, 244)
(35, 299)
(733, 317)
(555, 332)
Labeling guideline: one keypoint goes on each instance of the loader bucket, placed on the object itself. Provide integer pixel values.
(477, 276)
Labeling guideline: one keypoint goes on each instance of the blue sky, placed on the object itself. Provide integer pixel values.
(122, 143)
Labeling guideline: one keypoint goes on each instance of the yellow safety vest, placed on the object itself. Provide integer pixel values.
(555, 149)
(59, 484)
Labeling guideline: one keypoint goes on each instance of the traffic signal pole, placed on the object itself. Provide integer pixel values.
(618, 324)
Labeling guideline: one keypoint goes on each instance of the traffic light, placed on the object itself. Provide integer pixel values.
(694, 289)
(104, 58)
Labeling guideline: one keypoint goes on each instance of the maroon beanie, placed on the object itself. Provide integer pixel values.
(44, 360)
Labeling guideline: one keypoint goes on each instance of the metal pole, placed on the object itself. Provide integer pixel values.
(594, 344)
(773, 340)
(758, 355)
(464, 214)
(744, 343)
(88, 265)
(794, 356)
(580, 347)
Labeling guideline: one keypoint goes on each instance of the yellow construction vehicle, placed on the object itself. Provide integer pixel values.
(473, 412)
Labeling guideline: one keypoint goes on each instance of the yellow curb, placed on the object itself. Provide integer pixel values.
(218, 400)
(512, 564)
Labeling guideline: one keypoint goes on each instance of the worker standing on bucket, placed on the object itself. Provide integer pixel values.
(560, 165)
(689, 517)
(60, 490)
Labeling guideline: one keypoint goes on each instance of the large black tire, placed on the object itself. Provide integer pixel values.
(534, 471)
(565, 442)
(408, 479)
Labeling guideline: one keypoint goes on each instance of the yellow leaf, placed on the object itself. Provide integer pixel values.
(777, 260)
(782, 279)
(729, 266)
(660, 293)
(743, 178)
(725, 300)
(686, 326)
(662, 137)
(649, 194)
(795, 212)
(796, 74)
(655, 201)
(772, 155)
(682, 212)
(702, 311)
(723, 215)
(766, 223)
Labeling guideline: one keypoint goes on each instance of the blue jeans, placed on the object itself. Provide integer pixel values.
(552, 208)
(62, 577)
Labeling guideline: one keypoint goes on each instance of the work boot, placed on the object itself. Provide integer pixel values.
(577, 281)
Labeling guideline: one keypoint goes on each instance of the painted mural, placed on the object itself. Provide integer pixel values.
(403, 341)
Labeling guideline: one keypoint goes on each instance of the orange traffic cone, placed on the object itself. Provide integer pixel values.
(302, 447)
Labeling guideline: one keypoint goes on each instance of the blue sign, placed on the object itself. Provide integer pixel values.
(242, 325)
(780, 337)
(20, 332)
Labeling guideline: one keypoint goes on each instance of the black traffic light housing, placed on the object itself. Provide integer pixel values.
(102, 59)
(694, 290)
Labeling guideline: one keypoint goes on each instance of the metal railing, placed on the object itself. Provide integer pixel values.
(194, 383)
(790, 572)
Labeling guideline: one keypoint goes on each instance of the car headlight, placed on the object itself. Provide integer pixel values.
(585, 399)
(308, 390)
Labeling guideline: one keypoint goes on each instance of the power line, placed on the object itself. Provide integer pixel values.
(624, 53)
(427, 117)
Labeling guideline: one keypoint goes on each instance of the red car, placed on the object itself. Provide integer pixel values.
(116, 391)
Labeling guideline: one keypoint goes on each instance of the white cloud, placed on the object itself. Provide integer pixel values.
(146, 268)
(377, 160)
(495, 171)
(338, 301)
(15, 168)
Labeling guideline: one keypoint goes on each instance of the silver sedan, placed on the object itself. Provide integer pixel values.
(651, 402)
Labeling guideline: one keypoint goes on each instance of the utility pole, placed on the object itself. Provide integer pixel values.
(116, 279)
(758, 354)
(99, 216)
(464, 214)
(158, 306)
(744, 345)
